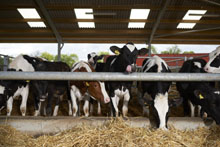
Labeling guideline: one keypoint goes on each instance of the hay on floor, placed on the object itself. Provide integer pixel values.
(114, 133)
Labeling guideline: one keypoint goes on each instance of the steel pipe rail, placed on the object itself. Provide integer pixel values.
(106, 76)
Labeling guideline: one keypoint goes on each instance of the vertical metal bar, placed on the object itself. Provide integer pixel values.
(149, 49)
(5, 65)
(59, 52)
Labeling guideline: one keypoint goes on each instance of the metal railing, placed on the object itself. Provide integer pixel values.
(107, 76)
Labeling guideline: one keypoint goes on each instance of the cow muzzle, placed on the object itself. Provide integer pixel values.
(131, 68)
(106, 100)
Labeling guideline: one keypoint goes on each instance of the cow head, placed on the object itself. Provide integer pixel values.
(213, 65)
(97, 91)
(210, 102)
(128, 55)
(160, 108)
(93, 58)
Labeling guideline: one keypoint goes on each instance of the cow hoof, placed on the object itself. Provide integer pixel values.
(23, 111)
(70, 113)
(48, 112)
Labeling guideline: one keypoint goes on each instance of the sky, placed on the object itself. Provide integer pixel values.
(14, 49)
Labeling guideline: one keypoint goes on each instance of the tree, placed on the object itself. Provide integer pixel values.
(153, 49)
(69, 59)
(188, 52)
(47, 56)
(172, 50)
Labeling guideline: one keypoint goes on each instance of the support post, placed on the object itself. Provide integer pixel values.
(5, 66)
(149, 49)
(59, 52)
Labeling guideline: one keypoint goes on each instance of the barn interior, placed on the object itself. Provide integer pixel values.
(110, 21)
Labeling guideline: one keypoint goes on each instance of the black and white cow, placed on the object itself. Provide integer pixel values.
(185, 89)
(47, 91)
(124, 62)
(200, 93)
(20, 63)
(11, 89)
(157, 91)
(213, 65)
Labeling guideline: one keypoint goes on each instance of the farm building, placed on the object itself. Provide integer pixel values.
(42, 118)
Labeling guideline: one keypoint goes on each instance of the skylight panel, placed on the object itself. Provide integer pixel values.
(191, 17)
(28, 13)
(36, 24)
(139, 13)
(86, 24)
(136, 24)
(186, 25)
(81, 13)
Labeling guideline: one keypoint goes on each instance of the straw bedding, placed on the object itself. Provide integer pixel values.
(114, 133)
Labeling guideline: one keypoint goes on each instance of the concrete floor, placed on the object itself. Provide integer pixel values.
(50, 125)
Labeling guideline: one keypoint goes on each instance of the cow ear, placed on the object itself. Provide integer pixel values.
(199, 94)
(175, 102)
(116, 50)
(143, 51)
(88, 56)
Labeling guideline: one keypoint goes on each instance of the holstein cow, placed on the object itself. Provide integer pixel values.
(11, 89)
(20, 63)
(157, 91)
(46, 91)
(82, 90)
(124, 62)
(99, 67)
(185, 88)
(213, 65)
(200, 93)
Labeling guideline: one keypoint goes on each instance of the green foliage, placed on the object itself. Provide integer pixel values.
(188, 52)
(172, 50)
(47, 56)
(103, 53)
(69, 59)
(153, 50)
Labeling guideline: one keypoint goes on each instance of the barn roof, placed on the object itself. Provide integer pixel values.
(111, 18)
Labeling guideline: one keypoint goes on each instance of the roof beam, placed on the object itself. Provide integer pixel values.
(160, 15)
(104, 20)
(12, 32)
(49, 20)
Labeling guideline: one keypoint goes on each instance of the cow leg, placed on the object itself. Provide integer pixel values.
(37, 107)
(99, 108)
(70, 108)
(56, 108)
(192, 108)
(125, 104)
(9, 106)
(199, 109)
(74, 104)
(86, 108)
(24, 100)
(115, 107)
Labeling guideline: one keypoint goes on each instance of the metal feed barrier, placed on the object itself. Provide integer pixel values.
(44, 125)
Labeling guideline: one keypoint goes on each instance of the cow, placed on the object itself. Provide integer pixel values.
(47, 91)
(83, 90)
(99, 67)
(11, 89)
(124, 61)
(200, 93)
(184, 88)
(157, 92)
(20, 63)
(213, 65)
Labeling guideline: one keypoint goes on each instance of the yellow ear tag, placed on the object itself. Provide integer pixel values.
(201, 97)
(27, 81)
(87, 84)
(117, 52)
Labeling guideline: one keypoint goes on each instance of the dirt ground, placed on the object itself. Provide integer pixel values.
(134, 108)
